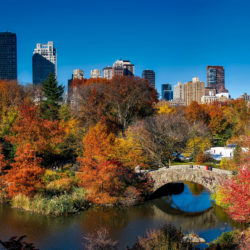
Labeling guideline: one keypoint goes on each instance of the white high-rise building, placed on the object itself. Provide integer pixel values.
(108, 73)
(95, 73)
(44, 62)
(78, 74)
(178, 91)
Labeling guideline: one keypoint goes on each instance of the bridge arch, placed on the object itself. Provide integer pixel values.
(196, 174)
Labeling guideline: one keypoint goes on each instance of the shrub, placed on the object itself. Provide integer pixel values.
(228, 164)
(21, 201)
(100, 240)
(167, 237)
(56, 205)
(228, 240)
(219, 197)
(64, 185)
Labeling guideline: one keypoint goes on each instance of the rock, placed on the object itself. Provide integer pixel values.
(193, 239)
(138, 169)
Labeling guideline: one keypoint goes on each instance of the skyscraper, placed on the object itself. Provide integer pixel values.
(8, 56)
(150, 76)
(44, 62)
(123, 68)
(216, 78)
(166, 92)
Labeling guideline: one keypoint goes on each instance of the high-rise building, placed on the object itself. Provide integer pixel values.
(8, 56)
(123, 68)
(216, 78)
(95, 73)
(166, 92)
(78, 74)
(73, 91)
(178, 89)
(150, 76)
(108, 73)
(193, 91)
(44, 62)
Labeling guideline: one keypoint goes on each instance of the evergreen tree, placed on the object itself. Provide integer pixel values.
(53, 96)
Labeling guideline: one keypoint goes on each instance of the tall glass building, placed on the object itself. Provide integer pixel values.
(8, 56)
(150, 76)
(216, 78)
(166, 92)
(44, 62)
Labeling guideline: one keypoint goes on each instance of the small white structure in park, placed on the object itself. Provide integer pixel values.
(221, 152)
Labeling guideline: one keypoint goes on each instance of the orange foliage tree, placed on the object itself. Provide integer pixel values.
(25, 176)
(30, 128)
(196, 113)
(102, 175)
(3, 163)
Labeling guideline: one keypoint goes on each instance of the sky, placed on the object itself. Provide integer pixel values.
(175, 38)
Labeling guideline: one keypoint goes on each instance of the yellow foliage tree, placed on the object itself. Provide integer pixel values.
(195, 145)
(129, 151)
(163, 108)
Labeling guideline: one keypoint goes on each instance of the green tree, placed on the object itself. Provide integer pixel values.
(53, 97)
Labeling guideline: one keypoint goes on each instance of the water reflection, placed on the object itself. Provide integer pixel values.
(191, 210)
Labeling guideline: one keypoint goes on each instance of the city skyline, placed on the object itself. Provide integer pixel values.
(178, 49)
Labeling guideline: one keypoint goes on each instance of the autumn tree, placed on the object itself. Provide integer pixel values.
(3, 162)
(101, 174)
(30, 128)
(198, 142)
(237, 195)
(163, 107)
(53, 96)
(26, 173)
(11, 96)
(196, 113)
(117, 102)
(161, 137)
(129, 151)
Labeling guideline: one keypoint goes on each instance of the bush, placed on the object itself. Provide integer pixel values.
(64, 185)
(167, 237)
(227, 164)
(228, 240)
(56, 205)
(100, 240)
(218, 197)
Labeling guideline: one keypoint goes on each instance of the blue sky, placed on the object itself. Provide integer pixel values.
(176, 38)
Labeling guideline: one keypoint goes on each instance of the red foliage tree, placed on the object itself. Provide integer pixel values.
(30, 128)
(25, 176)
(237, 195)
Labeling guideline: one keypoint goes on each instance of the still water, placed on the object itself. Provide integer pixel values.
(190, 208)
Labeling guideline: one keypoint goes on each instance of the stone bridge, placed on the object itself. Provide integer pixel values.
(209, 179)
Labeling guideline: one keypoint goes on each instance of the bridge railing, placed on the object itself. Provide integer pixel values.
(198, 167)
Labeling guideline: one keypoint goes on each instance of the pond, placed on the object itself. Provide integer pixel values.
(189, 207)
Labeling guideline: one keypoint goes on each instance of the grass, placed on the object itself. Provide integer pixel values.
(55, 205)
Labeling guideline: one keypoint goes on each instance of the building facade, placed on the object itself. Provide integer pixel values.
(166, 92)
(123, 68)
(193, 91)
(8, 56)
(149, 75)
(216, 78)
(95, 73)
(108, 73)
(44, 62)
(178, 89)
